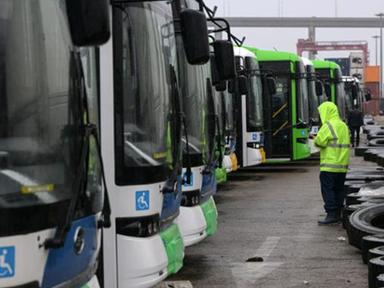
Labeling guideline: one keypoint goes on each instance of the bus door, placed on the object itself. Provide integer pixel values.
(277, 112)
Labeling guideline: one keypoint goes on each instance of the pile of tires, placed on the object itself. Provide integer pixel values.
(359, 151)
(363, 215)
(376, 142)
(375, 135)
(363, 222)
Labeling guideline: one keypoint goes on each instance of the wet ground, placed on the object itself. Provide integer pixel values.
(270, 214)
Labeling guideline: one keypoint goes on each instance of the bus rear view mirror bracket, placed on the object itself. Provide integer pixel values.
(88, 21)
(194, 31)
(225, 59)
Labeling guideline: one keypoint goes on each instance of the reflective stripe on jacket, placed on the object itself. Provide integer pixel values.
(333, 139)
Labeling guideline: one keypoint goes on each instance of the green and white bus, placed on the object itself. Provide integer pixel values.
(286, 114)
(330, 74)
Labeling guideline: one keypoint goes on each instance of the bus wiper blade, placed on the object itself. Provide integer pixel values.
(59, 238)
(81, 180)
(176, 122)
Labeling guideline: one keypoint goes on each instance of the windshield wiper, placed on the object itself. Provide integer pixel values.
(177, 120)
(212, 117)
(80, 183)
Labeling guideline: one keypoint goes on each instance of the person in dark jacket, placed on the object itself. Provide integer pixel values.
(355, 121)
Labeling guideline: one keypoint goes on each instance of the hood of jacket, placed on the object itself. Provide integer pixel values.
(328, 111)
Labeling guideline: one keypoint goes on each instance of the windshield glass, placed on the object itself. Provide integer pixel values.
(302, 95)
(254, 97)
(228, 107)
(144, 59)
(340, 93)
(341, 99)
(348, 86)
(313, 98)
(40, 115)
(195, 103)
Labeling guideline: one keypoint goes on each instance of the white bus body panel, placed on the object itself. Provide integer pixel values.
(191, 220)
(192, 225)
(120, 252)
(142, 262)
(197, 179)
(227, 163)
(30, 258)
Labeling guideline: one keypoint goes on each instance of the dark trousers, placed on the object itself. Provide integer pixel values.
(332, 190)
(355, 135)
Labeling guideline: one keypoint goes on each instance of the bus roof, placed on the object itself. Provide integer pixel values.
(306, 61)
(269, 55)
(243, 52)
(321, 64)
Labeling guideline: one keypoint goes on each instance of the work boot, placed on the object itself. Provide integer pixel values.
(331, 218)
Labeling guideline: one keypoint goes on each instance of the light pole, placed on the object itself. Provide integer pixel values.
(381, 15)
(376, 50)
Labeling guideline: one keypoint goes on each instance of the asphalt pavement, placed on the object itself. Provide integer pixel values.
(268, 235)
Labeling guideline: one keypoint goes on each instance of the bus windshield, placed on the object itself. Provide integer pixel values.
(314, 100)
(340, 93)
(41, 114)
(254, 97)
(144, 61)
(195, 103)
(302, 95)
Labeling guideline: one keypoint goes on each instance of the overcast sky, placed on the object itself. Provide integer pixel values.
(286, 38)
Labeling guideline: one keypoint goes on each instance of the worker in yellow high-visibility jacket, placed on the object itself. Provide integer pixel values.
(333, 139)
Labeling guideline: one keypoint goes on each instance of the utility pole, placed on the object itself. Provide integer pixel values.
(312, 38)
(381, 15)
(376, 48)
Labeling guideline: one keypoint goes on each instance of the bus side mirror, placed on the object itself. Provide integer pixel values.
(225, 59)
(271, 84)
(88, 21)
(194, 31)
(243, 85)
(368, 96)
(319, 88)
(220, 85)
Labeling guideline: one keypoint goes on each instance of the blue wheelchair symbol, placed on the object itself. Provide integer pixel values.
(254, 136)
(142, 200)
(185, 184)
(7, 262)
